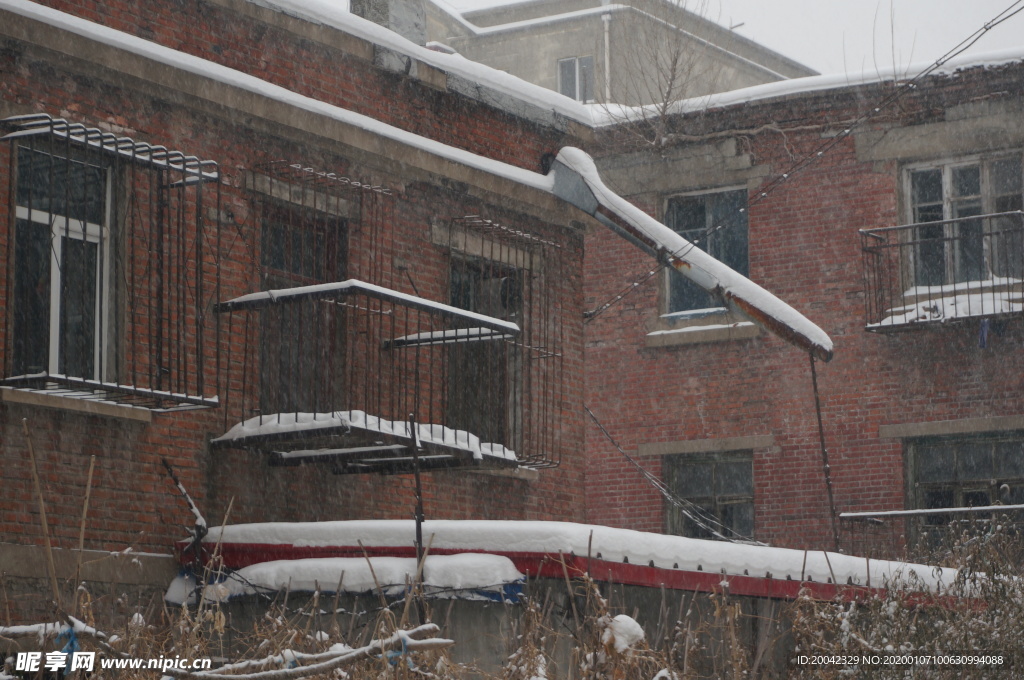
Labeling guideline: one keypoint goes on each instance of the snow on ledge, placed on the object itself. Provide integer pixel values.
(309, 423)
(464, 576)
(607, 543)
(701, 329)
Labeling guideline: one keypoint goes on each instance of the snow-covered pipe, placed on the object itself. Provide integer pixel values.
(577, 181)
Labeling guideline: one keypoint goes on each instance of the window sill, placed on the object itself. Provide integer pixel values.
(523, 473)
(10, 395)
(692, 335)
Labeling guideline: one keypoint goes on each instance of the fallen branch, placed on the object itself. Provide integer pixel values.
(414, 640)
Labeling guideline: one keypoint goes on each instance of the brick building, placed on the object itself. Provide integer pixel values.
(161, 162)
(921, 406)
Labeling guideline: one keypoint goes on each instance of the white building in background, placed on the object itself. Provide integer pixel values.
(631, 52)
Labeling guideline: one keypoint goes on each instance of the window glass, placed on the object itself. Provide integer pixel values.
(721, 488)
(967, 246)
(717, 224)
(586, 79)
(567, 77)
(60, 244)
(32, 296)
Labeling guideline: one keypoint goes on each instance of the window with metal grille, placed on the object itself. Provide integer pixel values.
(301, 246)
(485, 378)
(111, 264)
(721, 489)
(715, 222)
(957, 238)
(61, 266)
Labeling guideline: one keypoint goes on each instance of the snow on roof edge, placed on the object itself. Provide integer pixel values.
(250, 83)
(329, 14)
(607, 115)
(607, 543)
(577, 181)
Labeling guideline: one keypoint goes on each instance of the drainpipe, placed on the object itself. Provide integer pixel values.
(607, 19)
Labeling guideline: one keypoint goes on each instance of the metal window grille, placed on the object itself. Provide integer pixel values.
(111, 250)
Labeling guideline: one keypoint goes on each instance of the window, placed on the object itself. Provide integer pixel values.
(576, 78)
(717, 224)
(301, 247)
(953, 243)
(484, 377)
(722, 488)
(969, 472)
(61, 266)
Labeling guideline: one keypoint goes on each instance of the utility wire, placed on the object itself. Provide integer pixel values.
(824, 147)
(691, 510)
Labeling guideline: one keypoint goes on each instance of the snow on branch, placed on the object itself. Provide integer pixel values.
(419, 639)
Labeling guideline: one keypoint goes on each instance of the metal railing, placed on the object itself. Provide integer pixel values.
(937, 272)
(112, 255)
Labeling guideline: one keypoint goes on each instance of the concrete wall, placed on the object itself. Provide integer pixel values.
(486, 633)
(527, 39)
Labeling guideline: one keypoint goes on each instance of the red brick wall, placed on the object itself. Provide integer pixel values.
(804, 247)
(324, 72)
(133, 503)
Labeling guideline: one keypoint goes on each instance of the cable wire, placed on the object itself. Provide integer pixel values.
(691, 510)
(823, 148)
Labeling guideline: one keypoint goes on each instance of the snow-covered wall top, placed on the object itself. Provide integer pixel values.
(334, 15)
(602, 115)
(607, 543)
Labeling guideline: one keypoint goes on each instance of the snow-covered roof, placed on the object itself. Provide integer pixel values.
(606, 544)
(601, 10)
(614, 115)
(334, 15)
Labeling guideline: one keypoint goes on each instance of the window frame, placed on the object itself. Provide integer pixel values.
(580, 86)
(952, 256)
(62, 226)
(676, 522)
(669, 314)
(960, 489)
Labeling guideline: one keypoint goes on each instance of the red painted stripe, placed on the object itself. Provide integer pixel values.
(544, 565)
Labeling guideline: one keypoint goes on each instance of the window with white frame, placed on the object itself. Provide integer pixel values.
(62, 257)
(953, 242)
(576, 78)
(720, 488)
(715, 222)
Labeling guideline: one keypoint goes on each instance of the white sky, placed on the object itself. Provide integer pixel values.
(856, 35)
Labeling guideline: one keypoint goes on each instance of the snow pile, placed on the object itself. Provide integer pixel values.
(622, 633)
(306, 423)
(607, 543)
(956, 301)
(467, 576)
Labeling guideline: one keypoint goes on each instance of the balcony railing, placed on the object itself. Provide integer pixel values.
(936, 272)
(344, 373)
